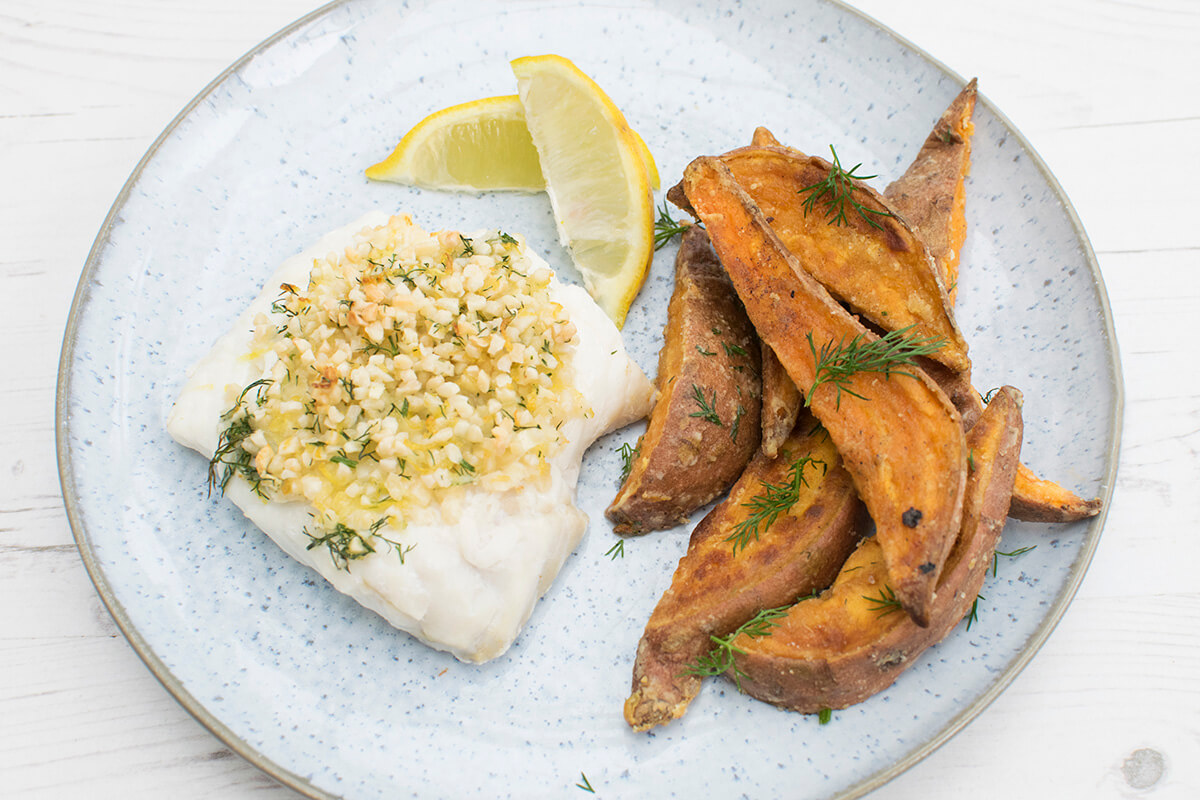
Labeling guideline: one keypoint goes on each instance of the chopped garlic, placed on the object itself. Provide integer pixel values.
(412, 354)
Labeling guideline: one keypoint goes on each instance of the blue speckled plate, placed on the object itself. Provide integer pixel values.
(326, 697)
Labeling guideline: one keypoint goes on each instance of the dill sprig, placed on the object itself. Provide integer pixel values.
(628, 454)
(708, 408)
(1020, 551)
(616, 551)
(737, 423)
(973, 615)
(732, 350)
(888, 354)
(775, 499)
(836, 190)
(585, 785)
(346, 544)
(230, 457)
(721, 659)
(666, 228)
(886, 603)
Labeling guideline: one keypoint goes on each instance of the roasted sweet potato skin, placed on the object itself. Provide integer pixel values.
(846, 645)
(715, 588)
(931, 194)
(900, 438)
(781, 402)
(884, 273)
(705, 424)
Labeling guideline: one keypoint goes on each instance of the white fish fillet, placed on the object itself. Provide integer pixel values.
(471, 583)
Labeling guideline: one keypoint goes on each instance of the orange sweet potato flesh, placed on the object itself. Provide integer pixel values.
(1038, 500)
(884, 273)
(687, 458)
(931, 194)
(901, 439)
(715, 589)
(846, 645)
(764, 137)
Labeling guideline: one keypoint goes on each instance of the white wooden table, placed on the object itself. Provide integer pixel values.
(1107, 92)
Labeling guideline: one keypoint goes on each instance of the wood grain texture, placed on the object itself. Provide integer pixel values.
(86, 87)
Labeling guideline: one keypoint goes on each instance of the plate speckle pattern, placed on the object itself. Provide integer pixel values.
(324, 694)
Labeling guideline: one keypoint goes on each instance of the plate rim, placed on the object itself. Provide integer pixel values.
(294, 780)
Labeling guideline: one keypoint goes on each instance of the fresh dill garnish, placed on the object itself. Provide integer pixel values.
(836, 191)
(346, 544)
(628, 454)
(261, 385)
(468, 246)
(1020, 551)
(506, 239)
(666, 228)
(825, 715)
(230, 457)
(973, 615)
(616, 551)
(888, 354)
(389, 346)
(737, 423)
(732, 350)
(775, 499)
(342, 458)
(704, 352)
(587, 787)
(886, 603)
(708, 409)
(721, 659)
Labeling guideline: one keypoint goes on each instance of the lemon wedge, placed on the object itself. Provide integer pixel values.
(478, 146)
(598, 185)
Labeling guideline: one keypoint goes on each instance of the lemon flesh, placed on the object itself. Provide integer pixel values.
(483, 145)
(598, 184)
(480, 146)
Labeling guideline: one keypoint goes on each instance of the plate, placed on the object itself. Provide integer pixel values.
(325, 696)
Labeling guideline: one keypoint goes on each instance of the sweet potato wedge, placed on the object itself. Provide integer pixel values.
(1038, 500)
(781, 399)
(717, 588)
(931, 194)
(705, 424)
(781, 402)
(882, 270)
(846, 645)
(900, 438)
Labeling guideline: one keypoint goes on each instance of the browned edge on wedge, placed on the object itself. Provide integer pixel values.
(901, 440)
(931, 194)
(716, 588)
(848, 644)
(705, 424)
